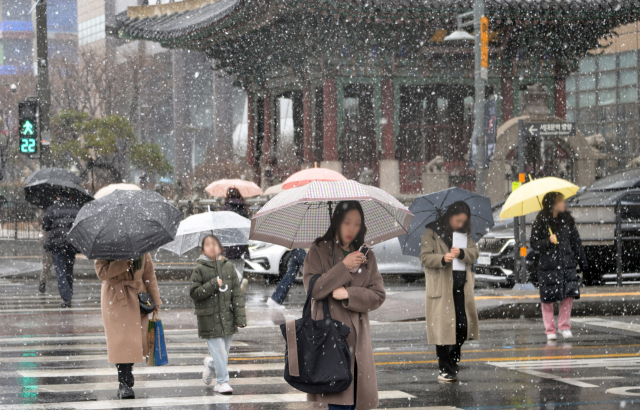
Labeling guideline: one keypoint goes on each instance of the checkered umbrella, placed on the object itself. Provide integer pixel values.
(296, 217)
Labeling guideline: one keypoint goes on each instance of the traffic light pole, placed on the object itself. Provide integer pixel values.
(43, 89)
(478, 107)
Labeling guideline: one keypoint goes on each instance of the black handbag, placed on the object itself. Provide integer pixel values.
(146, 303)
(317, 358)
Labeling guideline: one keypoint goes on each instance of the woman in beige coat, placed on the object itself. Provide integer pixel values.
(124, 325)
(351, 296)
(451, 314)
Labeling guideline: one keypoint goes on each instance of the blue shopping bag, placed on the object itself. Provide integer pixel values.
(159, 346)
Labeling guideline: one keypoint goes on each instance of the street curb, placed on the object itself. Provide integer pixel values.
(611, 307)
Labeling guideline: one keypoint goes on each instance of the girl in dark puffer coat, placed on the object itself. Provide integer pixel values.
(215, 290)
(556, 239)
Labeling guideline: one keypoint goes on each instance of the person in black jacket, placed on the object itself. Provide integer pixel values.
(555, 237)
(57, 220)
(236, 254)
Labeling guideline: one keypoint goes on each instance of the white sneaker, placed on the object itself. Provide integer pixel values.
(274, 305)
(243, 285)
(207, 373)
(552, 336)
(567, 334)
(223, 388)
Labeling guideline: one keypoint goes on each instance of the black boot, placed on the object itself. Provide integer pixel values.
(65, 304)
(43, 287)
(125, 392)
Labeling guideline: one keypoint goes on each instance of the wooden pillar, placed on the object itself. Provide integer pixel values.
(266, 142)
(388, 119)
(330, 120)
(251, 129)
(559, 94)
(506, 87)
(183, 138)
(307, 125)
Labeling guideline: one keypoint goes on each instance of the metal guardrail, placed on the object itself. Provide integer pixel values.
(19, 220)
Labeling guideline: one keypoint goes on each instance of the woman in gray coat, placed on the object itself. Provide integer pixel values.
(451, 313)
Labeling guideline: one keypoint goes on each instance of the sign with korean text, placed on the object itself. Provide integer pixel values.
(554, 129)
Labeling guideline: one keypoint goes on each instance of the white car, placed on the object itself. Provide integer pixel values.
(271, 261)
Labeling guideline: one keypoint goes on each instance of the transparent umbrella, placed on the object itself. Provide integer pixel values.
(229, 227)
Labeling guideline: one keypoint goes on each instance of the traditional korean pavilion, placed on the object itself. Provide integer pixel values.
(373, 83)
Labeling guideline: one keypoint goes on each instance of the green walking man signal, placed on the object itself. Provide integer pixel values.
(28, 127)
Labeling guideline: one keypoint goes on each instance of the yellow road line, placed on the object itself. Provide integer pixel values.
(520, 359)
(584, 295)
(480, 359)
(231, 359)
(515, 349)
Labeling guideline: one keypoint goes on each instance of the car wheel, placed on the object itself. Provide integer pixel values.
(411, 278)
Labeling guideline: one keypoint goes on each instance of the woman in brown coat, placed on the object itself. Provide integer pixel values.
(451, 313)
(351, 296)
(124, 325)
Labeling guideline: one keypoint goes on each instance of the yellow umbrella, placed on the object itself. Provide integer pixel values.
(528, 198)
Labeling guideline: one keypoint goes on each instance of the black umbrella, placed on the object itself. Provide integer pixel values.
(52, 173)
(428, 208)
(43, 193)
(124, 225)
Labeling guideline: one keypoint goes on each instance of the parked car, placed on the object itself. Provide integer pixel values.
(271, 261)
(495, 263)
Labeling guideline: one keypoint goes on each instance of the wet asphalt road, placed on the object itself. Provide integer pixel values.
(56, 359)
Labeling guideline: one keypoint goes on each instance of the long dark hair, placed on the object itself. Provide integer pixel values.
(215, 238)
(546, 213)
(336, 220)
(456, 208)
(234, 193)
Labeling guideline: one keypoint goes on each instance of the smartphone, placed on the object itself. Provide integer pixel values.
(364, 249)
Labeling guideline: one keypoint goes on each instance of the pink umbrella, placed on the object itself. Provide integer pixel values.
(246, 188)
(312, 174)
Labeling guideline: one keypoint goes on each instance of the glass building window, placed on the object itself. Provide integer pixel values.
(587, 99)
(607, 80)
(606, 97)
(587, 65)
(607, 62)
(586, 83)
(628, 77)
(570, 84)
(571, 101)
(628, 95)
(628, 59)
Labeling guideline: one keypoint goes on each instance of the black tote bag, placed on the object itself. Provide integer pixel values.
(317, 358)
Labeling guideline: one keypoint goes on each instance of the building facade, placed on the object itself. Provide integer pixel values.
(602, 97)
(375, 87)
(17, 37)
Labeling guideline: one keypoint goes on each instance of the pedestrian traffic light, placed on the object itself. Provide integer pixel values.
(28, 126)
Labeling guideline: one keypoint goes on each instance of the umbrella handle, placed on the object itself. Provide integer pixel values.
(226, 287)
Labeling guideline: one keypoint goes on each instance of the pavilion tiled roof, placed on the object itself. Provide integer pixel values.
(171, 26)
(197, 25)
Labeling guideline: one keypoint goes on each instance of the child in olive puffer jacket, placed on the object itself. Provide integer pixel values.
(215, 290)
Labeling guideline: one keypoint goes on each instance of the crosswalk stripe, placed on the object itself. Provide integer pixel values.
(75, 336)
(52, 309)
(609, 324)
(101, 347)
(83, 358)
(185, 401)
(140, 384)
(111, 371)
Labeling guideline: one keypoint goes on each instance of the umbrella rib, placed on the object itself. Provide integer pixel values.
(393, 217)
(301, 219)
